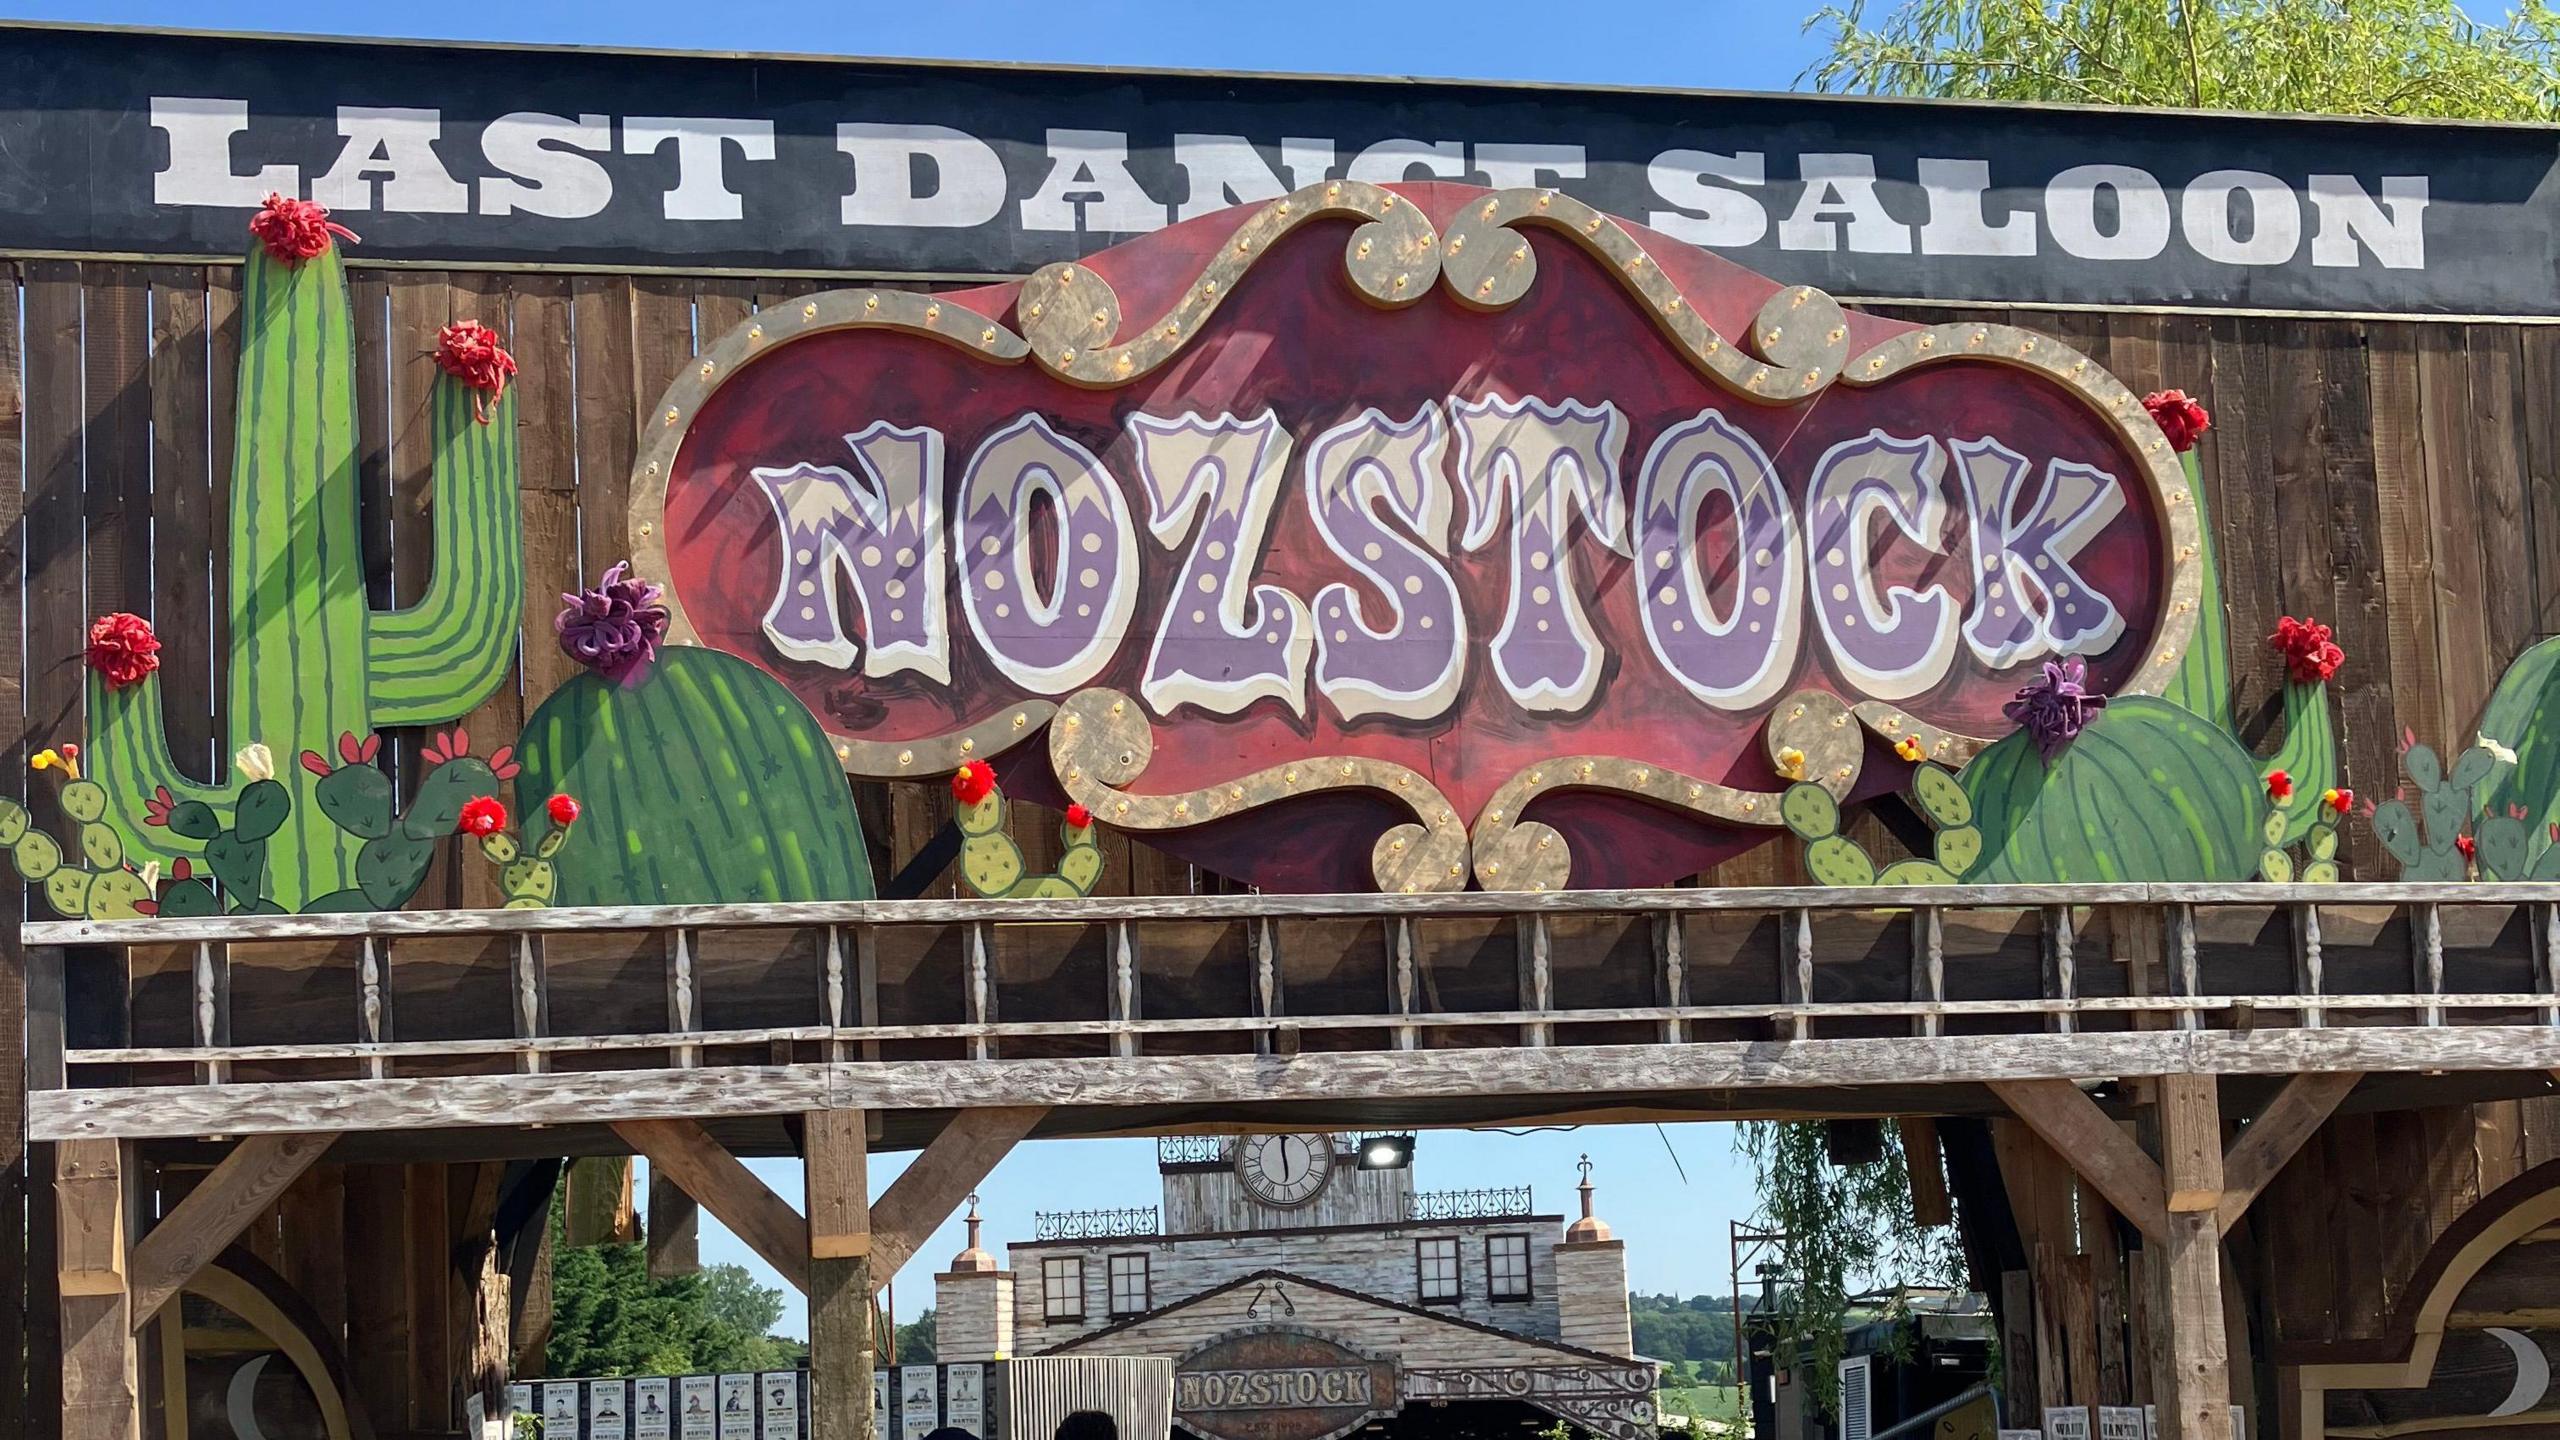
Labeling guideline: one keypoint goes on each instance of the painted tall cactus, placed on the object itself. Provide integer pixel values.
(309, 660)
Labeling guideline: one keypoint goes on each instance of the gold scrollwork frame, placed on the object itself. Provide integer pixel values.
(1072, 328)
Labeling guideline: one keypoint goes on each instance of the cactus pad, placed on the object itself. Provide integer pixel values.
(1809, 810)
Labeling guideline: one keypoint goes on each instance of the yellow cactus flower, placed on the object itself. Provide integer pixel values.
(256, 762)
(43, 760)
(1791, 763)
(1911, 749)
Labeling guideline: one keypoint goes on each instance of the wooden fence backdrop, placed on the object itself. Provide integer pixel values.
(2399, 480)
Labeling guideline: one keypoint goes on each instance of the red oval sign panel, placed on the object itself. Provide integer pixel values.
(1475, 537)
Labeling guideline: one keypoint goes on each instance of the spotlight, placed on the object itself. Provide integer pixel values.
(1386, 1152)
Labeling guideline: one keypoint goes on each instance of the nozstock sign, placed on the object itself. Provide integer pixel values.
(1388, 514)
(1280, 1383)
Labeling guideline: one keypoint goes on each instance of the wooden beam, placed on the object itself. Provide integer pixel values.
(99, 1383)
(2191, 1143)
(1930, 1206)
(2192, 1381)
(839, 1288)
(2253, 1161)
(925, 1194)
(675, 1229)
(2100, 1152)
(1590, 1075)
(258, 1170)
(726, 1188)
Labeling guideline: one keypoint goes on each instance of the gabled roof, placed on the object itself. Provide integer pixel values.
(1264, 1277)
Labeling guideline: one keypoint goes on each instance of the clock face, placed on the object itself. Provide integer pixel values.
(1284, 1170)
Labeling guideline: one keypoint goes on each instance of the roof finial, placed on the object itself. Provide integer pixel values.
(973, 1260)
(1590, 1226)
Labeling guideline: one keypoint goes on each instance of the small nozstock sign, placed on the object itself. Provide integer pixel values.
(1280, 1383)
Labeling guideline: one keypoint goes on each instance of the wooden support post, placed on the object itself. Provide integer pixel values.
(928, 1190)
(213, 1008)
(1795, 973)
(675, 1228)
(257, 1170)
(2426, 959)
(2061, 964)
(680, 999)
(727, 1189)
(373, 1003)
(2309, 977)
(2191, 1346)
(2546, 958)
(1930, 1204)
(1401, 968)
(981, 997)
(1537, 979)
(99, 1383)
(532, 1001)
(1124, 988)
(839, 1271)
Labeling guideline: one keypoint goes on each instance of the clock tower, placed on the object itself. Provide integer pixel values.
(1280, 1180)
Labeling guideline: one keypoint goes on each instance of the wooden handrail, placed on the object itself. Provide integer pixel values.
(1101, 911)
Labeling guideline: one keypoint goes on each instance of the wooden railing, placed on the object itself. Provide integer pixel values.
(468, 1016)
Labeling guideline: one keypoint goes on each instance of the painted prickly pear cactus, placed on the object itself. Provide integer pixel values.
(702, 781)
(309, 661)
(90, 879)
(991, 863)
(1834, 859)
(2146, 790)
(526, 872)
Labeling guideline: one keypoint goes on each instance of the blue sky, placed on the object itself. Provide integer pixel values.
(1675, 1228)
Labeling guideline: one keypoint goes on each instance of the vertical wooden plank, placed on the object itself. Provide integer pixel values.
(182, 514)
(116, 389)
(2359, 602)
(499, 718)
(377, 1305)
(56, 619)
(222, 388)
(2506, 515)
(99, 1384)
(675, 1229)
(421, 304)
(16, 1267)
(547, 481)
(428, 1259)
(2242, 442)
(2463, 664)
(608, 413)
(2538, 356)
(838, 1204)
(2406, 514)
(315, 1244)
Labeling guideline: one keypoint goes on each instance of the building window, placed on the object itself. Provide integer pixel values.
(1062, 1287)
(1506, 1267)
(1128, 1284)
(1435, 1264)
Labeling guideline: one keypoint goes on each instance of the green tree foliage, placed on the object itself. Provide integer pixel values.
(915, 1340)
(1698, 1330)
(2333, 57)
(1847, 1230)
(609, 1318)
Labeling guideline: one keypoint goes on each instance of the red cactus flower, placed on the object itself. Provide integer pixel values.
(2279, 786)
(2515, 812)
(451, 745)
(2179, 418)
(483, 815)
(155, 811)
(2340, 800)
(356, 752)
(503, 761)
(295, 230)
(1078, 817)
(972, 782)
(2310, 657)
(179, 869)
(564, 810)
(2468, 846)
(313, 761)
(122, 649)
(469, 352)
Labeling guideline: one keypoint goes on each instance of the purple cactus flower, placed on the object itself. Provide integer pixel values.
(2053, 709)
(615, 628)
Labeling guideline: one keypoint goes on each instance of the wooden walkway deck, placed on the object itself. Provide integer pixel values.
(1177, 1012)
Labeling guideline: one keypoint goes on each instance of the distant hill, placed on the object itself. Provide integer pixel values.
(1697, 1329)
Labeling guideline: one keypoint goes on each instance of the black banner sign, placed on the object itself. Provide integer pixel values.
(119, 142)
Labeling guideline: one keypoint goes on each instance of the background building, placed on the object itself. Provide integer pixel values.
(1304, 1287)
